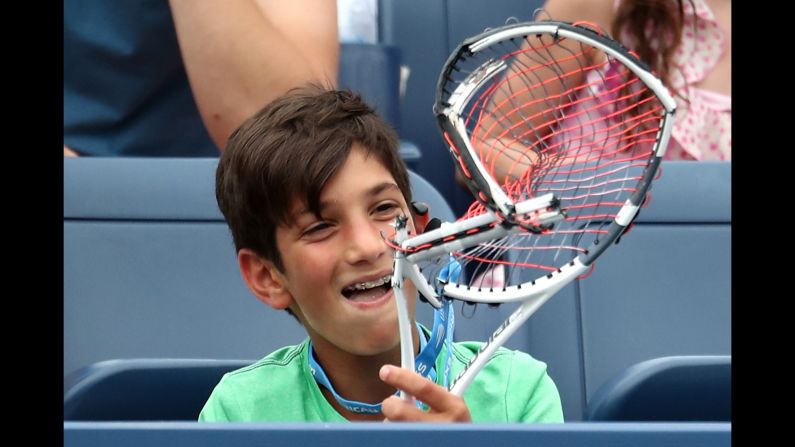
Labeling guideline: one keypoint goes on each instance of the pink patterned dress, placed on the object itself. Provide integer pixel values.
(702, 127)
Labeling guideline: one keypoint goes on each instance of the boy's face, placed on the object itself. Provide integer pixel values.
(338, 267)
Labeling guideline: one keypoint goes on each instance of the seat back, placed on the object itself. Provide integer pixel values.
(667, 389)
(143, 389)
(373, 71)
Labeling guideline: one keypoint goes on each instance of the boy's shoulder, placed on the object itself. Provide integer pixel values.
(512, 386)
(463, 351)
(506, 368)
(286, 360)
(275, 388)
(284, 364)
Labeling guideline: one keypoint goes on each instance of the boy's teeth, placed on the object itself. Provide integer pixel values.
(370, 284)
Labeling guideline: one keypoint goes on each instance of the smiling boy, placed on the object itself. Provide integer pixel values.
(309, 186)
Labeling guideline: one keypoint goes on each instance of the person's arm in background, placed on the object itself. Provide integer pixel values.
(241, 54)
(599, 12)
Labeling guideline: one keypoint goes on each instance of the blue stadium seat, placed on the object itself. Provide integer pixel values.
(667, 389)
(143, 389)
(373, 70)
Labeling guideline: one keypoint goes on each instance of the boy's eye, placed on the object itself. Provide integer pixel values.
(316, 229)
(386, 208)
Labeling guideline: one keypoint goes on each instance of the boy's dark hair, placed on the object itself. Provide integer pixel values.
(289, 150)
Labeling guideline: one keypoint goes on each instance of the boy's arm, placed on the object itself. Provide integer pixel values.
(444, 406)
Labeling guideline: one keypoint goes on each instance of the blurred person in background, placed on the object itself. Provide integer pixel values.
(688, 44)
(175, 78)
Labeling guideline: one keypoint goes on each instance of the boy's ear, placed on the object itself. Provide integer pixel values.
(264, 279)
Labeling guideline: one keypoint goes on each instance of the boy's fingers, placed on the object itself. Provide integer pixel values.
(440, 400)
(414, 384)
(397, 409)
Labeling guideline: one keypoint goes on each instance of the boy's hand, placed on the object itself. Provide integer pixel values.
(444, 407)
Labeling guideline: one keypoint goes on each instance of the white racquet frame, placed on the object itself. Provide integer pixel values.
(436, 245)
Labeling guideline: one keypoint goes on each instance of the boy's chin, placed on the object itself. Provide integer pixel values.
(380, 342)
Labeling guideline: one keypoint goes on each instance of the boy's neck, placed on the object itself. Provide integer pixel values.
(355, 377)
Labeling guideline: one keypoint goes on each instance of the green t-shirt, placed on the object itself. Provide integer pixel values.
(512, 387)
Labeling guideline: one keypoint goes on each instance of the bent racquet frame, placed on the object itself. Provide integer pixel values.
(584, 176)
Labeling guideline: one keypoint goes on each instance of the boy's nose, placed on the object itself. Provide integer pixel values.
(365, 243)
